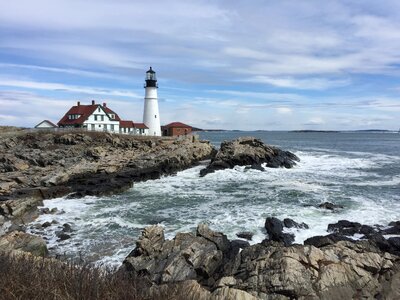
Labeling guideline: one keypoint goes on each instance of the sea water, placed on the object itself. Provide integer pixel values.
(360, 171)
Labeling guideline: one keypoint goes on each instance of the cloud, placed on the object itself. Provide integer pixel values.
(315, 121)
(50, 86)
(70, 71)
(302, 84)
(284, 110)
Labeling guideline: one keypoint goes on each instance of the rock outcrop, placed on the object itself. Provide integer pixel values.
(249, 151)
(211, 267)
(25, 242)
(42, 165)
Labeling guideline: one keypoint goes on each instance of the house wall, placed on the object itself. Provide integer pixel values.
(103, 122)
(174, 131)
(135, 131)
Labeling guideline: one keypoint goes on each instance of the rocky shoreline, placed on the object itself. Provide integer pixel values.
(205, 264)
(212, 267)
(42, 165)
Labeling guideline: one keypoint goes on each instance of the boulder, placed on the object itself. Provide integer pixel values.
(393, 229)
(67, 228)
(62, 236)
(329, 206)
(322, 241)
(245, 235)
(25, 242)
(345, 227)
(289, 223)
(218, 238)
(275, 232)
(395, 243)
(240, 244)
(186, 257)
(249, 151)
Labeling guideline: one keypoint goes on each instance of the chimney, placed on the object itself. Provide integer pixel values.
(79, 103)
(105, 104)
(93, 103)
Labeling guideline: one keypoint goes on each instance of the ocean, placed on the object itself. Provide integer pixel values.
(358, 170)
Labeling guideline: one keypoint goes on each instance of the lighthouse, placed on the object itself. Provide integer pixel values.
(151, 116)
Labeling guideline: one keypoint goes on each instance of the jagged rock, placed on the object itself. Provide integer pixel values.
(345, 227)
(249, 151)
(245, 235)
(240, 244)
(393, 229)
(274, 229)
(46, 224)
(330, 206)
(186, 257)
(258, 167)
(67, 228)
(289, 223)
(395, 243)
(322, 241)
(218, 238)
(188, 289)
(22, 241)
(337, 270)
(62, 236)
(227, 293)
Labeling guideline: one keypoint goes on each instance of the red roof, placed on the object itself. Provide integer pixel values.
(84, 111)
(140, 126)
(109, 111)
(177, 124)
(126, 124)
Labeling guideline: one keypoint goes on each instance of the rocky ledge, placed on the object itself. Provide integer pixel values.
(249, 151)
(209, 266)
(42, 165)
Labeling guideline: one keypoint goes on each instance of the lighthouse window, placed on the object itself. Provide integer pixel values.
(155, 116)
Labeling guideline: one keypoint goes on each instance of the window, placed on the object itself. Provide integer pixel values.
(95, 117)
(98, 109)
(102, 117)
(155, 116)
(112, 127)
(92, 126)
(99, 125)
(112, 116)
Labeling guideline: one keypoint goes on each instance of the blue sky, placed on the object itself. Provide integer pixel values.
(274, 65)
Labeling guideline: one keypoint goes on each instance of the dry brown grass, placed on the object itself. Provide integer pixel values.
(29, 277)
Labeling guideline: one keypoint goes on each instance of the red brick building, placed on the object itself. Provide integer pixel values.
(176, 129)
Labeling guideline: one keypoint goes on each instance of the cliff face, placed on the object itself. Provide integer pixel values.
(42, 165)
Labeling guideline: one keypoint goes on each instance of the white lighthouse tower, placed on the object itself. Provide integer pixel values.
(151, 116)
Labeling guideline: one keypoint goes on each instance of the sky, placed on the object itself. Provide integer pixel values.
(221, 64)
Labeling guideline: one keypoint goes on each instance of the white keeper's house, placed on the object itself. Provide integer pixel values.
(99, 117)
